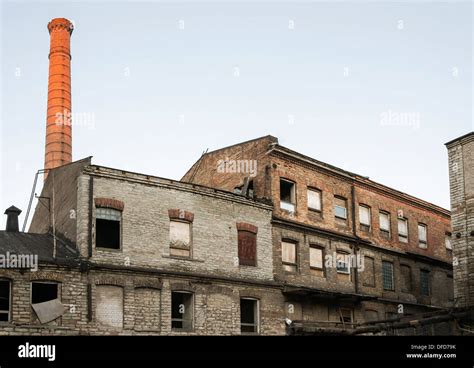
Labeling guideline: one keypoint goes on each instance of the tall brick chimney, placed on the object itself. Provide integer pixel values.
(58, 150)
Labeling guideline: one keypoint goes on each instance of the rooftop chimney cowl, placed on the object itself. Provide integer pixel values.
(12, 219)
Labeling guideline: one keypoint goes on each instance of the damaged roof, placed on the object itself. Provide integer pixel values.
(38, 244)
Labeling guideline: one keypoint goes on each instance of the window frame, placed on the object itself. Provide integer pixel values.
(119, 249)
(409, 287)
(387, 232)
(256, 325)
(182, 320)
(9, 311)
(362, 226)
(289, 264)
(291, 204)
(392, 276)
(190, 245)
(320, 193)
(423, 244)
(428, 274)
(400, 235)
(337, 197)
(321, 249)
(447, 240)
(348, 267)
(242, 261)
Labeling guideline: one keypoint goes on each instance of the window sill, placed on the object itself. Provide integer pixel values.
(182, 258)
(102, 249)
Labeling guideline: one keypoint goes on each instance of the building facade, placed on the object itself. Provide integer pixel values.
(347, 250)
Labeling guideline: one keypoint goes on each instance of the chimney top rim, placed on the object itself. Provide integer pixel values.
(61, 23)
(12, 209)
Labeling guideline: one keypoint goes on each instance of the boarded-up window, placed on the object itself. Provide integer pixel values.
(247, 248)
(364, 218)
(314, 199)
(45, 301)
(107, 228)
(369, 271)
(422, 238)
(384, 219)
(147, 309)
(316, 257)
(371, 315)
(405, 278)
(403, 230)
(288, 256)
(109, 305)
(340, 208)
(4, 300)
(447, 241)
(180, 238)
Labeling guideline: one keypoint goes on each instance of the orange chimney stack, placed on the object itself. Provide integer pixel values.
(58, 149)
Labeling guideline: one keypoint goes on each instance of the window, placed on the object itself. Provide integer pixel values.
(422, 229)
(249, 318)
(4, 301)
(364, 218)
(107, 228)
(247, 242)
(387, 275)
(342, 262)
(109, 305)
(288, 256)
(425, 282)
(371, 315)
(405, 278)
(403, 230)
(384, 218)
(180, 238)
(316, 257)
(369, 271)
(447, 241)
(314, 199)
(43, 292)
(345, 315)
(182, 310)
(340, 208)
(287, 195)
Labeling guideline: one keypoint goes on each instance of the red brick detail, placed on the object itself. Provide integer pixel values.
(178, 214)
(243, 226)
(109, 203)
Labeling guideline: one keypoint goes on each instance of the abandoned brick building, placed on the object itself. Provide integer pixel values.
(255, 239)
(321, 212)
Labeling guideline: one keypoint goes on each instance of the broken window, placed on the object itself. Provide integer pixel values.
(287, 195)
(180, 238)
(422, 239)
(425, 282)
(369, 271)
(4, 301)
(387, 275)
(45, 301)
(247, 243)
(288, 257)
(364, 218)
(182, 310)
(316, 257)
(384, 219)
(340, 208)
(345, 315)
(405, 278)
(314, 199)
(403, 230)
(107, 228)
(249, 315)
(109, 305)
(342, 263)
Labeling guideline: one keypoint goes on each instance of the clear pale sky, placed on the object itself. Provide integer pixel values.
(156, 83)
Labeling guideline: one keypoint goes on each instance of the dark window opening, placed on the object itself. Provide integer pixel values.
(287, 195)
(345, 315)
(107, 229)
(181, 310)
(425, 282)
(248, 315)
(43, 292)
(4, 301)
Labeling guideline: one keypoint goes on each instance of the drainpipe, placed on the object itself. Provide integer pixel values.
(354, 232)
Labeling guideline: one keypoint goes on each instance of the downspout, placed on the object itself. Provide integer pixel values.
(91, 204)
(354, 232)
